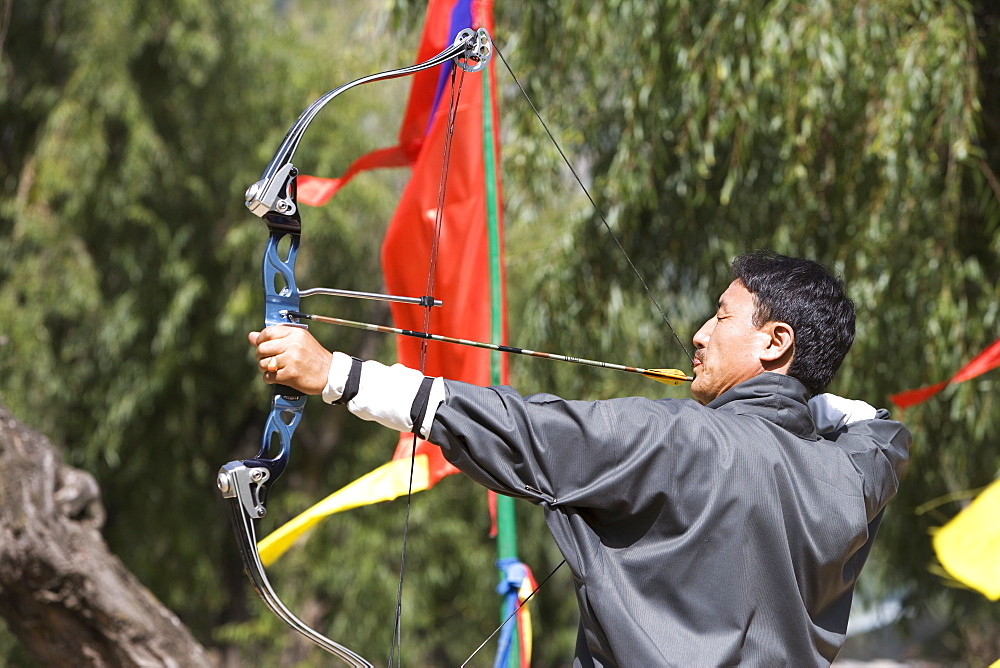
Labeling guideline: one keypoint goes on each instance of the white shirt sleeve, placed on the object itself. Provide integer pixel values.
(385, 394)
(831, 412)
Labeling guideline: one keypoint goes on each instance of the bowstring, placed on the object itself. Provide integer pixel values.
(593, 203)
(631, 264)
(435, 247)
(396, 650)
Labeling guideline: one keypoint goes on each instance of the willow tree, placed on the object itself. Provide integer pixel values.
(129, 267)
(859, 134)
(121, 153)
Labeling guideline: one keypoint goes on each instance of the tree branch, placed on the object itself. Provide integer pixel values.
(69, 600)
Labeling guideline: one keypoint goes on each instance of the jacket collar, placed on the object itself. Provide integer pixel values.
(775, 397)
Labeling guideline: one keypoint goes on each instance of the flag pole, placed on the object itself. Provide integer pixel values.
(506, 521)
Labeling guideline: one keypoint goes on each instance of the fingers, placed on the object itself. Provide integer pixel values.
(274, 340)
(291, 356)
(272, 343)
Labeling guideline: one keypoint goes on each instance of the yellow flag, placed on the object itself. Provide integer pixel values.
(969, 545)
(385, 483)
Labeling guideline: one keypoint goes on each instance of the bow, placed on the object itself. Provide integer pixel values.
(245, 484)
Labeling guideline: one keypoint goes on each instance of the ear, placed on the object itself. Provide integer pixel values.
(779, 346)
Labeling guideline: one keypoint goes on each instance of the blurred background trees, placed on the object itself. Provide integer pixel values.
(863, 134)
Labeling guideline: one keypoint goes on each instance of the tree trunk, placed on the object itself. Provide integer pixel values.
(67, 598)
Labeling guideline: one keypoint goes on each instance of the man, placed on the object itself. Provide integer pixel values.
(718, 532)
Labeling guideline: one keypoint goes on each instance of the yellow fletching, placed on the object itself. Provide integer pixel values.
(667, 376)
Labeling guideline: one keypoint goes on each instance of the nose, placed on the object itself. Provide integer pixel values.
(702, 336)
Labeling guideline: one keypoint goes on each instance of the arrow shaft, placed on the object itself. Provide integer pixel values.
(384, 329)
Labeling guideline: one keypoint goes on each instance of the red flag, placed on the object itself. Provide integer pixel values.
(317, 191)
(985, 361)
(462, 279)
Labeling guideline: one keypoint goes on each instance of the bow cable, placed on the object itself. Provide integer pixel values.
(514, 612)
(427, 303)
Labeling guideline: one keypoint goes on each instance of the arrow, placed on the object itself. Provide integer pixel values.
(665, 376)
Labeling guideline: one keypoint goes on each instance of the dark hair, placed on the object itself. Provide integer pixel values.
(808, 297)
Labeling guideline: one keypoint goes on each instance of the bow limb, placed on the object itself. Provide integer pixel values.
(245, 484)
(470, 51)
(236, 482)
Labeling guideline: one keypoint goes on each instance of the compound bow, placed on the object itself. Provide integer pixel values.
(245, 484)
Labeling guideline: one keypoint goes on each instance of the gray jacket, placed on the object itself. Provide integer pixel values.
(697, 535)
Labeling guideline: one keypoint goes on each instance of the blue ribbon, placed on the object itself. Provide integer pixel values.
(512, 576)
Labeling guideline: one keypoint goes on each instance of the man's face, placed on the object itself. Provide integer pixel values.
(728, 347)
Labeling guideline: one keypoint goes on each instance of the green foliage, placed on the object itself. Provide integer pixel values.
(852, 133)
(863, 134)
